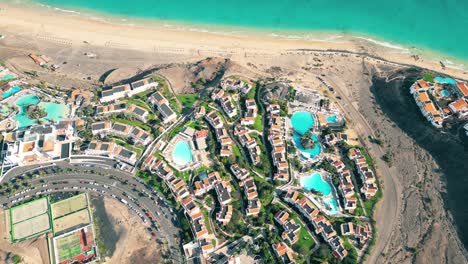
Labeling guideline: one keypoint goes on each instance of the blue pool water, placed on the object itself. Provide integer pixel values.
(302, 121)
(8, 77)
(182, 154)
(445, 93)
(55, 112)
(445, 80)
(307, 153)
(332, 119)
(316, 183)
(11, 92)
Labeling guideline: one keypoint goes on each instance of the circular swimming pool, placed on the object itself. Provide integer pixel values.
(182, 154)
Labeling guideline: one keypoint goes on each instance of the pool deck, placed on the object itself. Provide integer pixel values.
(167, 153)
(318, 200)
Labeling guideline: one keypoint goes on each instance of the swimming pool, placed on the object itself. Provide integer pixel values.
(182, 154)
(445, 93)
(332, 119)
(11, 92)
(8, 77)
(307, 153)
(316, 183)
(302, 121)
(445, 80)
(55, 112)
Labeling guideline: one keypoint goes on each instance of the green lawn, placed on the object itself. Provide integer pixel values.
(236, 151)
(135, 123)
(305, 242)
(207, 220)
(258, 124)
(124, 144)
(138, 102)
(187, 100)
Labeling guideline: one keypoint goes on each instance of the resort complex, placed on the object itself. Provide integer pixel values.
(235, 158)
(441, 100)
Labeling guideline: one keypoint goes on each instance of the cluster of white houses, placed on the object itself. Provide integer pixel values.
(276, 138)
(162, 105)
(290, 227)
(111, 150)
(321, 225)
(250, 190)
(121, 130)
(225, 101)
(221, 133)
(369, 186)
(346, 186)
(127, 90)
(222, 188)
(136, 111)
(182, 195)
(362, 233)
(250, 114)
(236, 84)
(248, 143)
(38, 144)
(421, 91)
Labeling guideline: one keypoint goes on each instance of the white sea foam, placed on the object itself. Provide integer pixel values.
(383, 43)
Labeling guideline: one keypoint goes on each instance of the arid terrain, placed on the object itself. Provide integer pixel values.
(412, 221)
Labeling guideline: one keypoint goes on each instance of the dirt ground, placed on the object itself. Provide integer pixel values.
(135, 244)
(33, 251)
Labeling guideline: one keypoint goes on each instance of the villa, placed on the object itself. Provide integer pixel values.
(38, 144)
(275, 137)
(214, 120)
(250, 114)
(221, 133)
(250, 188)
(459, 107)
(369, 188)
(253, 207)
(80, 97)
(228, 106)
(461, 90)
(200, 112)
(224, 215)
(127, 90)
(420, 93)
(162, 104)
(239, 172)
(283, 253)
(223, 190)
(101, 127)
(331, 140)
(249, 143)
(233, 84)
(115, 93)
(200, 138)
(362, 233)
(139, 113)
(207, 184)
(111, 150)
(291, 229)
(111, 109)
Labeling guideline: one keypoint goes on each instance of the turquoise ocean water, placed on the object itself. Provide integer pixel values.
(429, 25)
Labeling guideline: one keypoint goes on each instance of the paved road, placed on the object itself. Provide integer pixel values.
(141, 200)
(386, 212)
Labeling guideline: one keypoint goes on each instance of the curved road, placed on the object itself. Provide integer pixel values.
(387, 210)
(141, 200)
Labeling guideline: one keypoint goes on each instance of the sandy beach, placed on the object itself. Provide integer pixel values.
(72, 30)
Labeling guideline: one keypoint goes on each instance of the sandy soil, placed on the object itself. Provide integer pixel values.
(72, 32)
(32, 251)
(135, 244)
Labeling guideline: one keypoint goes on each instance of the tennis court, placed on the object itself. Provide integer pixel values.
(30, 227)
(73, 220)
(69, 205)
(69, 246)
(28, 210)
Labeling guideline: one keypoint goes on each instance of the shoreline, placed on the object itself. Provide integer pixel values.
(315, 35)
(156, 37)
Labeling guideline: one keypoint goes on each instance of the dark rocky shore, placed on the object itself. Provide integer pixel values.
(433, 165)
